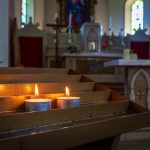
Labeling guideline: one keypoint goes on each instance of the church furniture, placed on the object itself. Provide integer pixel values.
(30, 78)
(98, 122)
(90, 37)
(114, 82)
(31, 70)
(56, 28)
(115, 49)
(140, 44)
(64, 130)
(74, 61)
(89, 41)
(50, 59)
(32, 46)
(137, 80)
(62, 47)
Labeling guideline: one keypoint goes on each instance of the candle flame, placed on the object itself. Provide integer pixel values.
(67, 91)
(36, 91)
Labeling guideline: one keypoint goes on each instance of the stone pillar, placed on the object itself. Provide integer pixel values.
(7, 13)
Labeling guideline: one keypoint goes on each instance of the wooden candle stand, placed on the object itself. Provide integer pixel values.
(98, 122)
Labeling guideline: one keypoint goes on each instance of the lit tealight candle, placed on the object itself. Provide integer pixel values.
(37, 104)
(68, 101)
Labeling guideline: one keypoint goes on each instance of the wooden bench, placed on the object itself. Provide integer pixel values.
(31, 70)
(38, 78)
(111, 81)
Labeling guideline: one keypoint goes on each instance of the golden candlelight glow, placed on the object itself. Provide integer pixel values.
(67, 91)
(28, 88)
(1, 87)
(36, 91)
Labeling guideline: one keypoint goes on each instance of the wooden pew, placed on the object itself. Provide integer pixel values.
(31, 70)
(38, 78)
(110, 81)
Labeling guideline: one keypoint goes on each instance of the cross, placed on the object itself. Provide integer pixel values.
(57, 28)
(140, 94)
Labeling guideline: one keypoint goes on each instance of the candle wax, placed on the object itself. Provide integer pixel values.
(37, 104)
(68, 101)
(37, 100)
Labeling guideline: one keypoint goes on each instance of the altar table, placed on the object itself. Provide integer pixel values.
(133, 70)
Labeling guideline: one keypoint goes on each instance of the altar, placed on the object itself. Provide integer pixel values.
(85, 51)
(137, 79)
(89, 62)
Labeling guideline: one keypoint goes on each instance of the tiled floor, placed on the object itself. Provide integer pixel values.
(139, 140)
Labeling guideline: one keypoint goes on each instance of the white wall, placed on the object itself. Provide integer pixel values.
(101, 14)
(116, 11)
(51, 8)
(39, 7)
(4, 32)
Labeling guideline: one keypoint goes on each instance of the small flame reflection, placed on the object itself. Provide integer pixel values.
(67, 91)
(36, 91)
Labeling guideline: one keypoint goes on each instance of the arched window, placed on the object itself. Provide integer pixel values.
(27, 9)
(136, 15)
(133, 15)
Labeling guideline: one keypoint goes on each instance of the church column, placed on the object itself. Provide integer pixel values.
(4, 32)
(6, 18)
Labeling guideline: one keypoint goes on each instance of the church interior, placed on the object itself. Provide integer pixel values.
(74, 74)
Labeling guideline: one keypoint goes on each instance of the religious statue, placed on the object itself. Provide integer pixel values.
(78, 9)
